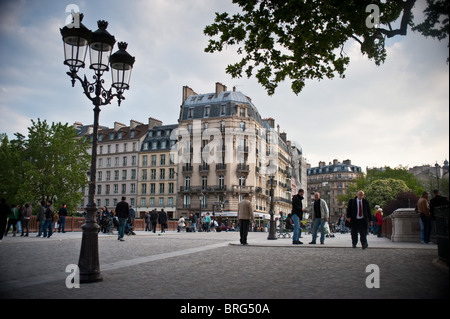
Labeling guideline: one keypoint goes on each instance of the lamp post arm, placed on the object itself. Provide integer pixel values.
(102, 96)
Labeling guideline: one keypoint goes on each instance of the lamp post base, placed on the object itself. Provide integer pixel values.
(88, 262)
(272, 235)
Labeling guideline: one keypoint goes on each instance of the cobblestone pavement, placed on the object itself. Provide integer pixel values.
(214, 266)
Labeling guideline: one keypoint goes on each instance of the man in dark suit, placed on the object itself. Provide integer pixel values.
(359, 216)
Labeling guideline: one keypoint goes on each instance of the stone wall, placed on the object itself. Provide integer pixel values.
(406, 226)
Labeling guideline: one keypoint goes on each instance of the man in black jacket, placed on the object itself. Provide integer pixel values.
(359, 216)
(154, 219)
(297, 216)
(5, 210)
(437, 201)
(122, 213)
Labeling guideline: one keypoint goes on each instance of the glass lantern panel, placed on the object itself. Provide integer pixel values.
(121, 74)
(100, 53)
(75, 49)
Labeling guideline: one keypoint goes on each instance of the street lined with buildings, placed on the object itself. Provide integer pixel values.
(220, 149)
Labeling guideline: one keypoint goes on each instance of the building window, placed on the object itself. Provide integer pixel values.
(144, 174)
(204, 201)
(187, 201)
(204, 182)
(206, 114)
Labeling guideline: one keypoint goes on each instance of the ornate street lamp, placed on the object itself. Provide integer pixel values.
(77, 40)
(272, 235)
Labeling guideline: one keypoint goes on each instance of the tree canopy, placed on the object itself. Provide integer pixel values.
(50, 164)
(381, 186)
(303, 40)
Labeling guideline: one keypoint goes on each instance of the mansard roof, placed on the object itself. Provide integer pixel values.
(224, 104)
(334, 168)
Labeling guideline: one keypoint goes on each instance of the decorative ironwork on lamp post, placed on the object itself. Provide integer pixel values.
(77, 41)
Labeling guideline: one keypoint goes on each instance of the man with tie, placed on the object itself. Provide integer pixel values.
(359, 216)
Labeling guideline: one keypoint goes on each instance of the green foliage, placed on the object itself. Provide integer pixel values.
(303, 40)
(380, 191)
(51, 164)
(399, 179)
(12, 170)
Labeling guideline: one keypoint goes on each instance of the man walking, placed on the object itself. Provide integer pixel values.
(62, 218)
(154, 219)
(245, 214)
(320, 213)
(425, 216)
(297, 216)
(359, 215)
(122, 213)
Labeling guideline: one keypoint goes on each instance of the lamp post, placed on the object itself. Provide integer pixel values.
(437, 174)
(272, 235)
(77, 40)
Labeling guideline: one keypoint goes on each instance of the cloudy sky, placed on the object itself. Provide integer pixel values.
(395, 114)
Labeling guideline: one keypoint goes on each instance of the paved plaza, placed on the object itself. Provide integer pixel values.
(214, 266)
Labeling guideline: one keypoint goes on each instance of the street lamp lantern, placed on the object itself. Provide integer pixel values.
(100, 47)
(77, 39)
(121, 65)
(76, 44)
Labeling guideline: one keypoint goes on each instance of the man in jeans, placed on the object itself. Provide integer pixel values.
(297, 216)
(122, 213)
(424, 211)
(62, 218)
(319, 213)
